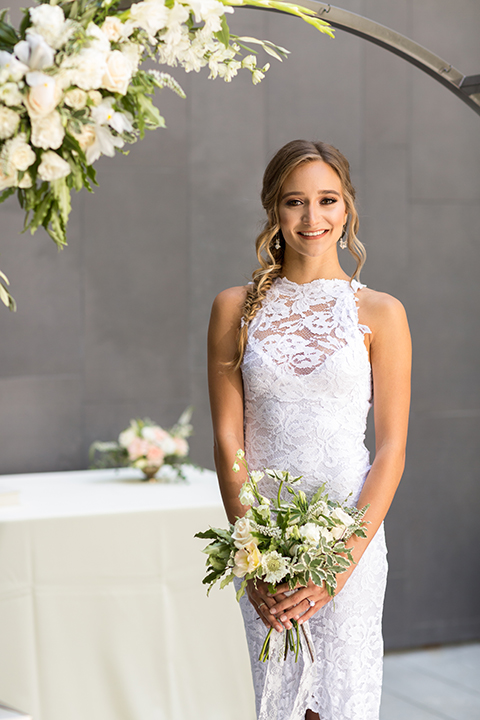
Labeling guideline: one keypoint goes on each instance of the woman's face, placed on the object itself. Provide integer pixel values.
(312, 210)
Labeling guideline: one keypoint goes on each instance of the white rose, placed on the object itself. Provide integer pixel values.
(48, 131)
(115, 30)
(168, 446)
(49, 21)
(44, 95)
(345, 519)
(53, 167)
(118, 73)
(76, 99)
(95, 96)
(151, 15)
(11, 68)
(242, 535)
(10, 94)
(17, 153)
(88, 68)
(9, 120)
(310, 533)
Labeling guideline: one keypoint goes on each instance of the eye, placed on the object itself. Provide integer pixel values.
(294, 202)
(329, 201)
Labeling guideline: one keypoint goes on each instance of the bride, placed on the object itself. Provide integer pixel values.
(296, 358)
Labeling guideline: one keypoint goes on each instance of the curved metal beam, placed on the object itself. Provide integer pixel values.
(467, 88)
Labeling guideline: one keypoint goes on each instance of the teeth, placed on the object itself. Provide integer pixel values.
(313, 234)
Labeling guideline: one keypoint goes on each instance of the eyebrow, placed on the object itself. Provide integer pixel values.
(320, 192)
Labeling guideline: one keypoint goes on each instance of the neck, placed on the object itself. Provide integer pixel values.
(301, 269)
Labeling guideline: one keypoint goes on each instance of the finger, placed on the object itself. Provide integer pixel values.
(290, 602)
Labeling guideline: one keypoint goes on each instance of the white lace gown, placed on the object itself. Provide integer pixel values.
(307, 388)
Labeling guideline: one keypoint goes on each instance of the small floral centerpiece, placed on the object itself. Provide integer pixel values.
(72, 88)
(147, 446)
(283, 542)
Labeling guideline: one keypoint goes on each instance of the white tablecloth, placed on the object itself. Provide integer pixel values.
(102, 612)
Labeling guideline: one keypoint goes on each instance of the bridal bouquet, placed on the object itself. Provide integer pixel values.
(283, 542)
(147, 446)
(72, 88)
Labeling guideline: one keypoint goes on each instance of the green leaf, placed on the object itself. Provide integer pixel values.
(6, 193)
(41, 212)
(241, 590)
(61, 192)
(226, 580)
(223, 35)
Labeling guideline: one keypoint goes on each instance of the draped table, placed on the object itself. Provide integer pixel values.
(102, 612)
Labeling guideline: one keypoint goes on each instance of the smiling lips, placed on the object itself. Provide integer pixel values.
(314, 234)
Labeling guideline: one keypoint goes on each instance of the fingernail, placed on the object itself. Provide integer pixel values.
(273, 611)
(283, 618)
(279, 628)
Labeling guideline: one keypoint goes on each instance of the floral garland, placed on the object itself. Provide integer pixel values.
(72, 88)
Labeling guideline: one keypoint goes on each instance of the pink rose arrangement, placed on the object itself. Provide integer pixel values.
(147, 446)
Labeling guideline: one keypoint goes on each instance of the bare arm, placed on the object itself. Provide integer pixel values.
(390, 351)
(226, 396)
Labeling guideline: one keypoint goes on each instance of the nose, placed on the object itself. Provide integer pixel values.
(311, 213)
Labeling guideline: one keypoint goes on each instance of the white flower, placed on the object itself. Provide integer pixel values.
(177, 15)
(264, 511)
(133, 52)
(35, 52)
(48, 131)
(17, 153)
(11, 68)
(256, 475)
(250, 62)
(128, 435)
(236, 467)
(246, 495)
(97, 39)
(7, 178)
(104, 114)
(49, 21)
(88, 68)
(26, 181)
(240, 453)
(150, 15)
(76, 98)
(9, 120)
(310, 533)
(115, 29)
(207, 9)
(228, 70)
(118, 72)
(103, 144)
(44, 95)
(10, 94)
(345, 518)
(274, 566)
(258, 75)
(53, 167)
(247, 560)
(327, 535)
(242, 535)
(96, 97)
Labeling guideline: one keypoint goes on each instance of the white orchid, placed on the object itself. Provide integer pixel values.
(34, 52)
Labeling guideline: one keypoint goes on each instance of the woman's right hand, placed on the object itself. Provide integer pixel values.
(262, 601)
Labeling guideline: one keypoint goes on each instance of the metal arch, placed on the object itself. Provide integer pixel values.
(467, 88)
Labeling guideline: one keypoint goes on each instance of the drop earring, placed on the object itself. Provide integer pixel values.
(343, 238)
(277, 241)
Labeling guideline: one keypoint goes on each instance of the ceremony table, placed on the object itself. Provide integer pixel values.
(102, 612)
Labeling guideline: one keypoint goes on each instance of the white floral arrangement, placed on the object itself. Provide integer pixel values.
(72, 88)
(283, 542)
(147, 446)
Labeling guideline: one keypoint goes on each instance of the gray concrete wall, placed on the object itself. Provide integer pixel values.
(114, 326)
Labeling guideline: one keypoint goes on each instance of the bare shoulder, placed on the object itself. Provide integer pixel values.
(228, 306)
(380, 311)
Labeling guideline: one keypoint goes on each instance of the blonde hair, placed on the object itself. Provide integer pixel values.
(289, 157)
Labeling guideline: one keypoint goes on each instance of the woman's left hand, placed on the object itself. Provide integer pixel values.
(298, 605)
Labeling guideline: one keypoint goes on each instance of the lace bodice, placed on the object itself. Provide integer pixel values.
(307, 386)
